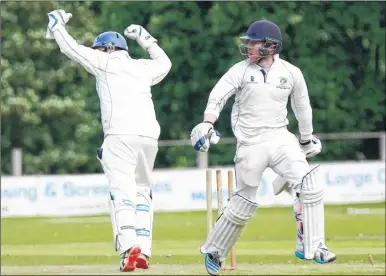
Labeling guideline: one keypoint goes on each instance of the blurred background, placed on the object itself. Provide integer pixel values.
(50, 130)
(50, 108)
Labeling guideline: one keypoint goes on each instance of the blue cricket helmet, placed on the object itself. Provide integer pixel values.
(109, 40)
(265, 31)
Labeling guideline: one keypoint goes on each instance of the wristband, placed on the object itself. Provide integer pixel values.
(305, 143)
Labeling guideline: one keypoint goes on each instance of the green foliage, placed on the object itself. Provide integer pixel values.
(50, 107)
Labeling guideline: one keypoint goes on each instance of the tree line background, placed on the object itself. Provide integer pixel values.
(50, 108)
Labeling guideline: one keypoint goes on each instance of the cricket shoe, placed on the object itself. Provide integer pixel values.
(212, 263)
(142, 261)
(128, 259)
(322, 255)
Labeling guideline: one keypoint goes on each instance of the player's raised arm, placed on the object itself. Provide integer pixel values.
(159, 65)
(204, 134)
(93, 61)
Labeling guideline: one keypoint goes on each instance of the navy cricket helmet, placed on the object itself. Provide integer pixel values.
(265, 31)
(110, 40)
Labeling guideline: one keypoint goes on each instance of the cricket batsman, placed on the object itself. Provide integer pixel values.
(130, 127)
(262, 84)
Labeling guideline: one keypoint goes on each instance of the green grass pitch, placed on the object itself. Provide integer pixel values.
(83, 245)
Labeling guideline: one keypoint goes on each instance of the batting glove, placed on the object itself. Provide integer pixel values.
(203, 135)
(139, 33)
(56, 18)
(311, 147)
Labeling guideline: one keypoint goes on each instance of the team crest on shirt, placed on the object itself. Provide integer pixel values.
(283, 83)
(250, 79)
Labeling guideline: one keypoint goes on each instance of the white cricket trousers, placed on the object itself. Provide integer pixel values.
(128, 161)
(279, 150)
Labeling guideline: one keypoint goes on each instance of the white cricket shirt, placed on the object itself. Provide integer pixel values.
(261, 101)
(123, 84)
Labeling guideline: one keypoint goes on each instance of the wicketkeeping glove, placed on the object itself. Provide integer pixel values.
(203, 135)
(311, 147)
(56, 18)
(139, 33)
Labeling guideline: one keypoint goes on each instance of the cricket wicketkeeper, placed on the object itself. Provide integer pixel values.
(130, 127)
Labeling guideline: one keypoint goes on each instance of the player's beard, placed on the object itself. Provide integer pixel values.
(254, 58)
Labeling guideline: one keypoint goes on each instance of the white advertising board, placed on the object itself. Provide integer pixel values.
(177, 190)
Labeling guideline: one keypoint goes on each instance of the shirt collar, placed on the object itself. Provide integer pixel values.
(276, 59)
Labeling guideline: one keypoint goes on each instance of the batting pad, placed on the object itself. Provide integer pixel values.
(122, 215)
(229, 226)
(311, 197)
(144, 224)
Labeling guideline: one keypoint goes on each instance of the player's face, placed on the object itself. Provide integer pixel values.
(254, 50)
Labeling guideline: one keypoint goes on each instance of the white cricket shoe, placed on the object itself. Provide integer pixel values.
(322, 255)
